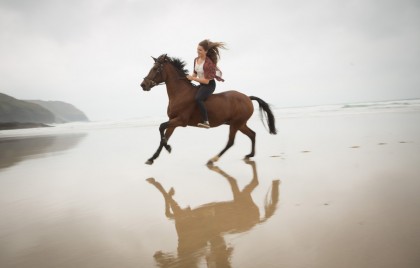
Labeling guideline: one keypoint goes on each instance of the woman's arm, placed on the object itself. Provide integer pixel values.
(199, 80)
(194, 77)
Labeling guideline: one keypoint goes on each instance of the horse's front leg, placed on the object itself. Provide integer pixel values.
(170, 203)
(163, 138)
(169, 126)
(166, 195)
(163, 143)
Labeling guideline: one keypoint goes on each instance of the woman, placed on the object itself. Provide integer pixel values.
(205, 72)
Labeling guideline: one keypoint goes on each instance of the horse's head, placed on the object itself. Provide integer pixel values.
(156, 75)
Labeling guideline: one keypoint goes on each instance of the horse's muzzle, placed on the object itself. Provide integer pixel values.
(145, 87)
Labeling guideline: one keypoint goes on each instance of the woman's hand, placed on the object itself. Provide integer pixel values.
(189, 77)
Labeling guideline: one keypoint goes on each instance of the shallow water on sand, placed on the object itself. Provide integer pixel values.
(325, 192)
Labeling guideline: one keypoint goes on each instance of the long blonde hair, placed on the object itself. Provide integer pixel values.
(212, 49)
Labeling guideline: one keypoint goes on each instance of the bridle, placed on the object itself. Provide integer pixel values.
(159, 71)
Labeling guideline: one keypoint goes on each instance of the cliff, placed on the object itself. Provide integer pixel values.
(14, 110)
(64, 112)
(16, 113)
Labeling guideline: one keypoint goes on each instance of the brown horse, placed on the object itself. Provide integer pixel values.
(201, 230)
(231, 107)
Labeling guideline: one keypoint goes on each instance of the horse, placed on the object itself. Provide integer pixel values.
(230, 107)
(201, 230)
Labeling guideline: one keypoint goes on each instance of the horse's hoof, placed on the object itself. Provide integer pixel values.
(151, 180)
(210, 163)
(248, 161)
(214, 168)
(214, 159)
(149, 162)
(168, 148)
(171, 191)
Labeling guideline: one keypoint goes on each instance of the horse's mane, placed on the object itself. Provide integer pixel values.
(179, 66)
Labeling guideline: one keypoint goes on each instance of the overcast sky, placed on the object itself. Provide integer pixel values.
(94, 53)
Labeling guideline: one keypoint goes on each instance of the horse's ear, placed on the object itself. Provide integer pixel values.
(154, 59)
(165, 57)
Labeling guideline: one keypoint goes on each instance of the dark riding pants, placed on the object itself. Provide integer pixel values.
(204, 91)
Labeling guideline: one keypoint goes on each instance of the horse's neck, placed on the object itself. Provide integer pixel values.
(178, 87)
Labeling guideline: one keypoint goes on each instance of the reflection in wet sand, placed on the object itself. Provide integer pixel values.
(15, 150)
(201, 230)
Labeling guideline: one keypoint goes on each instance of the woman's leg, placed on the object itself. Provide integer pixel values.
(203, 93)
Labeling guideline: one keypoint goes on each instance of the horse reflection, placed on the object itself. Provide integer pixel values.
(201, 230)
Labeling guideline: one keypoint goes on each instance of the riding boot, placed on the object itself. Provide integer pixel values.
(205, 124)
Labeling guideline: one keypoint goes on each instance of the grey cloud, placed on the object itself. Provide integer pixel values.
(315, 52)
(58, 20)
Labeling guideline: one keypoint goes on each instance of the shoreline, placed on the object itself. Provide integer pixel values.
(18, 129)
(19, 125)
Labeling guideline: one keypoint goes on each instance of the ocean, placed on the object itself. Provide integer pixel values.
(412, 105)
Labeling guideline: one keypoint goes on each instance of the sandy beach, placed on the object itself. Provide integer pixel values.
(332, 189)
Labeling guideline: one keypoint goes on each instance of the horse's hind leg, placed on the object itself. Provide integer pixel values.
(251, 134)
(232, 181)
(232, 134)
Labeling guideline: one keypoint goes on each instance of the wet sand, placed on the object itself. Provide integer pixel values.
(327, 191)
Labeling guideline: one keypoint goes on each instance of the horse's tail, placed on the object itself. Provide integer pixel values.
(270, 117)
(271, 201)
